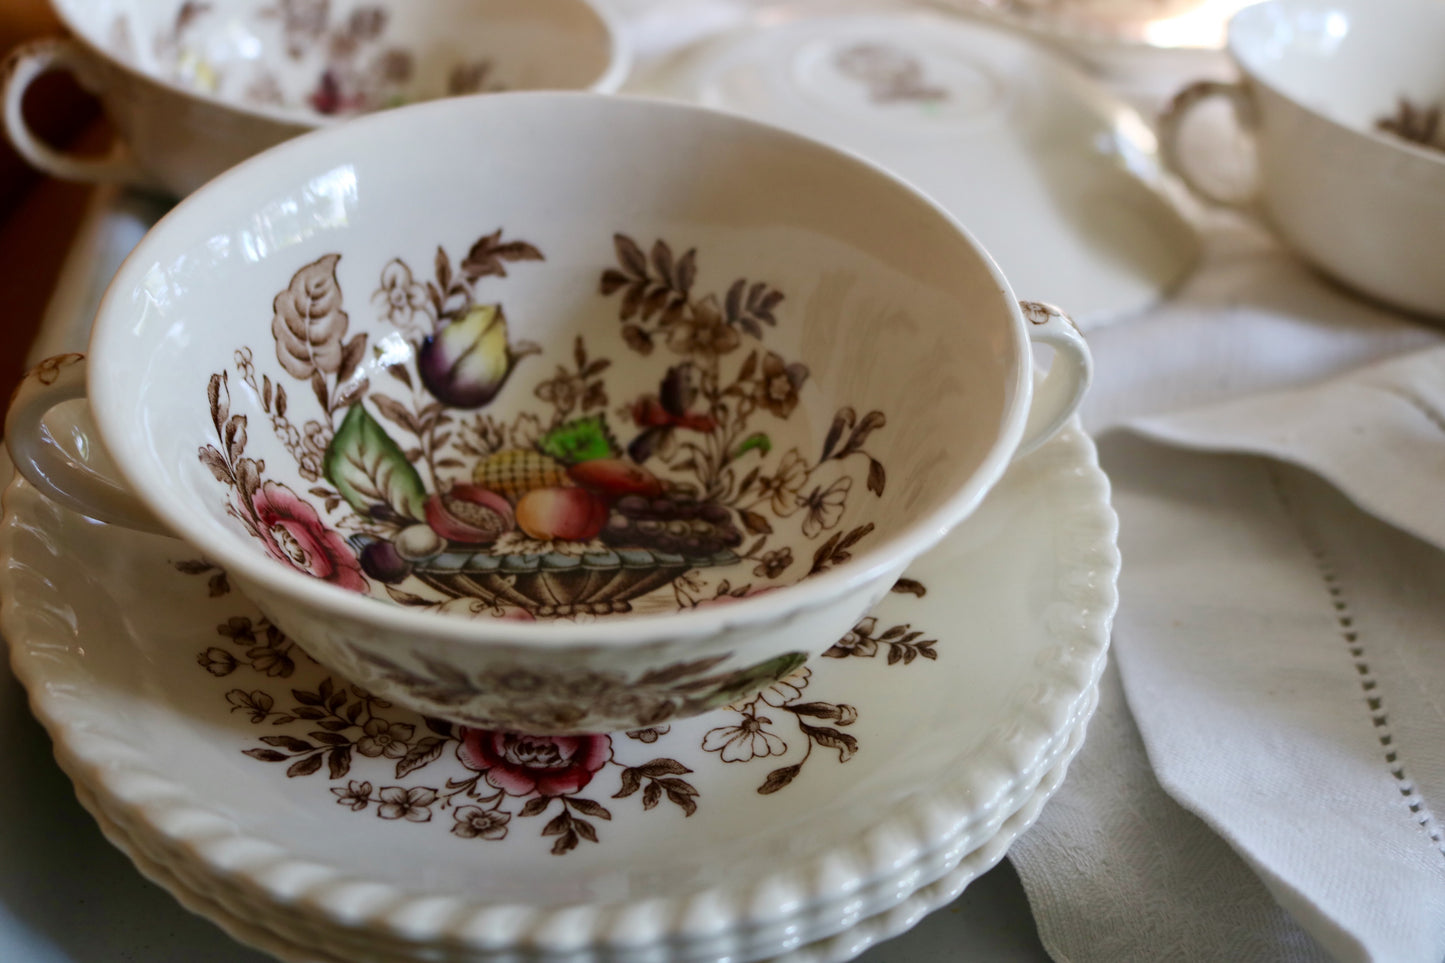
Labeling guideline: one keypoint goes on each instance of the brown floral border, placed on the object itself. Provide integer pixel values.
(333, 726)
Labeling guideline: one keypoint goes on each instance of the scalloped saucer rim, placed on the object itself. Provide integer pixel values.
(244, 921)
(936, 814)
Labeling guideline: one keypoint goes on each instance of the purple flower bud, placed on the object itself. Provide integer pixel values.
(466, 363)
(381, 561)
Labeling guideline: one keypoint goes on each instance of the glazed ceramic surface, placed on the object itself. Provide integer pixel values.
(1339, 96)
(258, 924)
(778, 820)
(574, 453)
(194, 88)
(1163, 24)
(1056, 177)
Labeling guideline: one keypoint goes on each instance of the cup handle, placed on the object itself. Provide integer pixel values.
(28, 62)
(1172, 120)
(49, 467)
(1063, 389)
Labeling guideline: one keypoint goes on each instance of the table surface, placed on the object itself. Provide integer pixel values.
(56, 868)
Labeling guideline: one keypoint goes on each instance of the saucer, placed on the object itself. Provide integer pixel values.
(269, 926)
(748, 832)
(1058, 179)
(249, 923)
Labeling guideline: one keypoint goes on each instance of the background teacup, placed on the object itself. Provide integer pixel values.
(1323, 93)
(551, 446)
(194, 88)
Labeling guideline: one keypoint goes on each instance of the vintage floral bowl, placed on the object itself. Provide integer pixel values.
(1342, 101)
(194, 88)
(552, 412)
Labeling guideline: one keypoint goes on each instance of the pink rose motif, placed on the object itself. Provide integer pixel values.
(295, 534)
(521, 765)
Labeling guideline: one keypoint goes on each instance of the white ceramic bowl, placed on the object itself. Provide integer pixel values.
(618, 410)
(1320, 77)
(194, 88)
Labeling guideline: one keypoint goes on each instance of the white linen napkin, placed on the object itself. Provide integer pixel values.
(1115, 870)
(1263, 624)
(1253, 319)
(1280, 649)
(1377, 433)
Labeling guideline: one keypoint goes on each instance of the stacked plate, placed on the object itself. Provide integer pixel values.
(318, 823)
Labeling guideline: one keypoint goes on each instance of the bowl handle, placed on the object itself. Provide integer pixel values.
(1171, 121)
(1057, 398)
(47, 465)
(28, 62)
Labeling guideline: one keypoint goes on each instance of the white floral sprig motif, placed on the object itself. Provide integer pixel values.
(751, 737)
(403, 301)
(745, 741)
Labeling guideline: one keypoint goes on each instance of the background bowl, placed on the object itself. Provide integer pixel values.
(558, 412)
(1338, 96)
(194, 88)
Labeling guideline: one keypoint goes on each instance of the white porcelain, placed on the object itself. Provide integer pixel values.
(1056, 177)
(257, 924)
(1319, 77)
(828, 363)
(885, 766)
(194, 88)
(1176, 25)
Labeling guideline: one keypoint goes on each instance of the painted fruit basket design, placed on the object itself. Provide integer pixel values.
(415, 487)
(554, 584)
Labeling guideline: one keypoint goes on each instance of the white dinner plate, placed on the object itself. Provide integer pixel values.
(1059, 179)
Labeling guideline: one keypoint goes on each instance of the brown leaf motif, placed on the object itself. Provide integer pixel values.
(47, 371)
(309, 325)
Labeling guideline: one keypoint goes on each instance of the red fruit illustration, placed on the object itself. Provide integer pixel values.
(569, 514)
(615, 477)
(661, 414)
(469, 514)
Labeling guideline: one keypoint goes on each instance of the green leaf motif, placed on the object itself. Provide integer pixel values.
(758, 441)
(368, 467)
(582, 439)
(745, 683)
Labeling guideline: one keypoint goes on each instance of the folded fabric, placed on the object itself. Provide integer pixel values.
(1281, 654)
(1116, 871)
(1252, 320)
(1279, 647)
(1376, 433)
